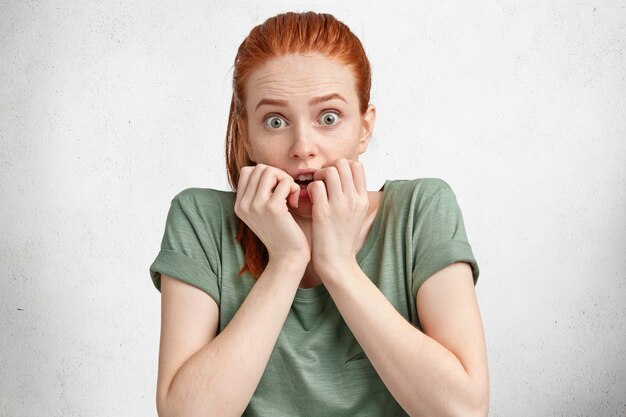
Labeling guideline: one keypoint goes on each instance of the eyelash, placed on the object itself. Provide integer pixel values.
(334, 111)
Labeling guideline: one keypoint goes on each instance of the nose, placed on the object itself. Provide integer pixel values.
(304, 145)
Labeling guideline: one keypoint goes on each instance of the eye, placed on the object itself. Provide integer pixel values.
(274, 121)
(330, 118)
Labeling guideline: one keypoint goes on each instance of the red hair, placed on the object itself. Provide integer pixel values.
(289, 33)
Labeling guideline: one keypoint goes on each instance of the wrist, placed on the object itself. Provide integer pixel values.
(288, 264)
(339, 270)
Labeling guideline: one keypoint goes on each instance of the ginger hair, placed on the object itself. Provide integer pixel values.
(306, 33)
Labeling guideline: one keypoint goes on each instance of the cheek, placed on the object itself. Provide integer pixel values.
(347, 141)
(341, 149)
(259, 147)
(265, 152)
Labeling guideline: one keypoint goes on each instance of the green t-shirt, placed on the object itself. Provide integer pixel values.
(317, 367)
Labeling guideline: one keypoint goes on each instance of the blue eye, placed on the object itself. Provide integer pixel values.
(330, 118)
(274, 122)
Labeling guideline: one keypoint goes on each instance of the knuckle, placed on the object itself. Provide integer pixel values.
(274, 208)
(280, 182)
(275, 172)
(256, 206)
(239, 210)
(278, 173)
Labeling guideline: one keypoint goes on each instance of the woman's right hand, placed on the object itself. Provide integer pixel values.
(262, 195)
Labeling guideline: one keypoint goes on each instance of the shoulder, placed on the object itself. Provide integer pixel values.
(417, 191)
(419, 185)
(206, 203)
(203, 199)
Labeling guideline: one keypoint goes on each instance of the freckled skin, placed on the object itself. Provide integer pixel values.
(303, 138)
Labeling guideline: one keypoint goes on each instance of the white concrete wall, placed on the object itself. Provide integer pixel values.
(110, 108)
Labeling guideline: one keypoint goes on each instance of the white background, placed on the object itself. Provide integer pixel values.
(108, 109)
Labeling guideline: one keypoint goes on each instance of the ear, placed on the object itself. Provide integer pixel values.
(367, 127)
(242, 126)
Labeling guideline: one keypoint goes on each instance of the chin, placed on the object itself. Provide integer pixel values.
(305, 208)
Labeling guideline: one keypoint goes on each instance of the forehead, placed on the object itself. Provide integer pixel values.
(294, 77)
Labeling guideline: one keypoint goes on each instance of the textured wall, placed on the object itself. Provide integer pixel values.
(109, 108)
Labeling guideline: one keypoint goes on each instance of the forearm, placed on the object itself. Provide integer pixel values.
(220, 379)
(423, 376)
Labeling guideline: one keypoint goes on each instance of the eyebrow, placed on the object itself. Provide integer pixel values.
(314, 101)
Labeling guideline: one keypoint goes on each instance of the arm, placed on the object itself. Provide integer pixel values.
(204, 375)
(208, 375)
(441, 372)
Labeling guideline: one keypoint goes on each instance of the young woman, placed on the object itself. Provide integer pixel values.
(301, 293)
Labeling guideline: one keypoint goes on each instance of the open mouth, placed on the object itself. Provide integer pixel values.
(304, 180)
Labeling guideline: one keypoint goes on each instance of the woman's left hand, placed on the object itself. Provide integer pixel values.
(340, 204)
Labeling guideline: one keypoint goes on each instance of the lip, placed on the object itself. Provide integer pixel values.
(304, 194)
(304, 171)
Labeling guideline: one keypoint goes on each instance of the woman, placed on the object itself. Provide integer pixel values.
(302, 293)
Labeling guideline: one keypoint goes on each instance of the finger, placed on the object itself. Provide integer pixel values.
(253, 184)
(279, 175)
(345, 176)
(268, 181)
(244, 179)
(286, 189)
(358, 175)
(294, 190)
(294, 196)
(332, 183)
(317, 193)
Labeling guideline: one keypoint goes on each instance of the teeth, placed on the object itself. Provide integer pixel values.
(305, 177)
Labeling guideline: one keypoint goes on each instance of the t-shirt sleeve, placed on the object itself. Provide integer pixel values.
(439, 237)
(188, 252)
